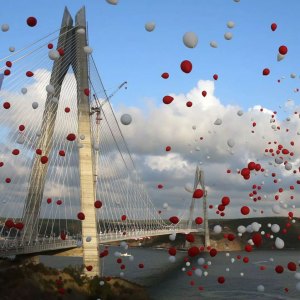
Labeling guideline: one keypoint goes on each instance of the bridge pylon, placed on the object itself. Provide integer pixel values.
(199, 181)
(72, 39)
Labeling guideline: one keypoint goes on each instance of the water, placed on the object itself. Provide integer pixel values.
(165, 280)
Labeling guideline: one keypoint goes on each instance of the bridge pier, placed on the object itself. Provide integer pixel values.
(26, 259)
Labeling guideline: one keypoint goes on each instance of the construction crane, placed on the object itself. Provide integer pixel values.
(97, 109)
(98, 106)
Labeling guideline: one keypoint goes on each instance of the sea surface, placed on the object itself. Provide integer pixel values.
(165, 280)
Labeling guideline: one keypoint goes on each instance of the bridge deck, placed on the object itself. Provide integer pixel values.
(10, 247)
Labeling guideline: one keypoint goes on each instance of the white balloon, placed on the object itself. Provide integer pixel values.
(190, 39)
(288, 166)
(131, 258)
(240, 113)
(23, 91)
(241, 229)
(279, 243)
(205, 273)
(218, 122)
(122, 274)
(278, 160)
(172, 258)
(187, 263)
(275, 228)
(276, 209)
(113, 2)
(297, 275)
(256, 226)
(87, 50)
(81, 31)
(201, 261)
(35, 105)
(217, 229)
(230, 24)
(198, 272)
(54, 100)
(4, 27)
(21, 139)
(213, 44)
(88, 239)
(231, 143)
(117, 254)
(39, 133)
(298, 286)
(280, 57)
(126, 119)
(12, 49)
(249, 228)
(50, 89)
(101, 283)
(150, 26)
(189, 188)
(79, 145)
(172, 237)
(96, 147)
(53, 54)
(194, 127)
(228, 36)
(166, 205)
(227, 269)
(260, 288)
(293, 75)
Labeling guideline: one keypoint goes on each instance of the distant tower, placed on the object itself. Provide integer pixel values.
(199, 180)
(73, 39)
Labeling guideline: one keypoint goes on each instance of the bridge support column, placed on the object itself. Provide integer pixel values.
(86, 158)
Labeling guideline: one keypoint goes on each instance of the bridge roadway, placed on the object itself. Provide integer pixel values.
(11, 247)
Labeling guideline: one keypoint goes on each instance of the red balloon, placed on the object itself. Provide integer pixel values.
(168, 148)
(7, 180)
(215, 77)
(38, 151)
(245, 172)
(63, 235)
(190, 238)
(266, 71)
(7, 72)
(279, 269)
(292, 266)
(61, 153)
(198, 220)
(89, 268)
(81, 216)
(44, 159)
(251, 165)
(21, 127)
(189, 104)
(86, 92)
(31, 21)
(186, 66)
(257, 167)
(8, 64)
(50, 46)
(172, 251)
(98, 204)
(245, 210)
(29, 74)
(71, 137)
(198, 193)
(167, 99)
(49, 200)
(283, 50)
(6, 105)
(204, 93)
(213, 252)
(193, 251)
(231, 237)
(67, 109)
(160, 186)
(221, 279)
(123, 218)
(141, 266)
(174, 220)
(273, 26)
(19, 226)
(165, 75)
(225, 200)
(59, 202)
(9, 223)
(257, 239)
(16, 152)
(61, 51)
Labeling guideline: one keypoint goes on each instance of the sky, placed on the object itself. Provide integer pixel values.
(124, 51)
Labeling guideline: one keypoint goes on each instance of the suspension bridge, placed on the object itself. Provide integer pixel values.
(63, 156)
